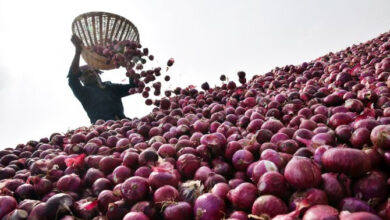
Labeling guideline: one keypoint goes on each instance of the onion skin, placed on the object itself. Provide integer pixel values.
(7, 204)
(268, 205)
(135, 189)
(372, 188)
(336, 186)
(302, 200)
(243, 196)
(135, 216)
(359, 216)
(302, 173)
(352, 162)
(272, 183)
(321, 212)
(380, 136)
(209, 207)
(180, 210)
(354, 205)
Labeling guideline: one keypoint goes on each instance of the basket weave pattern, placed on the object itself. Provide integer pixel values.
(102, 28)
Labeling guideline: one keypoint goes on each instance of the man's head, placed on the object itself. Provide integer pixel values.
(89, 75)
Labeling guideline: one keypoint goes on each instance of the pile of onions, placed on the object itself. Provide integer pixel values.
(310, 141)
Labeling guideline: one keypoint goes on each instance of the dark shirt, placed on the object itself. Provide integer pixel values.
(100, 103)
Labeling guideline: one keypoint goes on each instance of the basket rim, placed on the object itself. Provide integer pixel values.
(87, 14)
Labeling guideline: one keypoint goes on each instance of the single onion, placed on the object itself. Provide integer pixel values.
(302, 173)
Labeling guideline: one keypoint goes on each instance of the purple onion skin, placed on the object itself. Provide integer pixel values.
(346, 160)
(147, 207)
(164, 195)
(17, 214)
(380, 136)
(359, 216)
(7, 204)
(355, 205)
(209, 207)
(59, 204)
(241, 159)
(269, 205)
(135, 189)
(372, 188)
(39, 212)
(272, 183)
(243, 196)
(321, 212)
(221, 190)
(135, 216)
(240, 215)
(302, 173)
(117, 210)
(360, 137)
(336, 186)
(180, 210)
(105, 198)
(302, 200)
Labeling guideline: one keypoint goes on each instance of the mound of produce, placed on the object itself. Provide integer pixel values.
(308, 141)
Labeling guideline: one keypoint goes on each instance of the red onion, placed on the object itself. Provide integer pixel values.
(121, 173)
(380, 136)
(165, 195)
(302, 173)
(146, 207)
(187, 164)
(339, 119)
(241, 159)
(180, 210)
(358, 216)
(360, 137)
(7, 204)
(336, 186)
(354, 205)
(58, 205)
(163, 175)
(301, 200)
(69, 182)
(209, 207)
(345, 160)
(372, 188)
(321, 212)
(268, 205)
(273, 156)
(105, 198)
(221, 190)
(243, 196)
(273, 125)
(273, 183)
(262, 167)
(135, 216)
(135, 189)
(117, 210)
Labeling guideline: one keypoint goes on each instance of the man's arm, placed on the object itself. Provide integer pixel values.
(122, 90)
(74, 70)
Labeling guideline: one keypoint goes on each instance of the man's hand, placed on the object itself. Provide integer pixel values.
(77, 43)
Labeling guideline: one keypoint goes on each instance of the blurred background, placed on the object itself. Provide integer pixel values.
(206, 39)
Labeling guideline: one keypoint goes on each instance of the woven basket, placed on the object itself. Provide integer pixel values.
(102, 28)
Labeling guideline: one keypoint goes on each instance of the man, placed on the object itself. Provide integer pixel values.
(101, 100)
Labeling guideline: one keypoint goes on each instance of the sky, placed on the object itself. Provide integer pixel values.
(206, 38)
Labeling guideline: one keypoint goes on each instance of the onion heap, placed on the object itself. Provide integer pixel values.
(308, 141)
